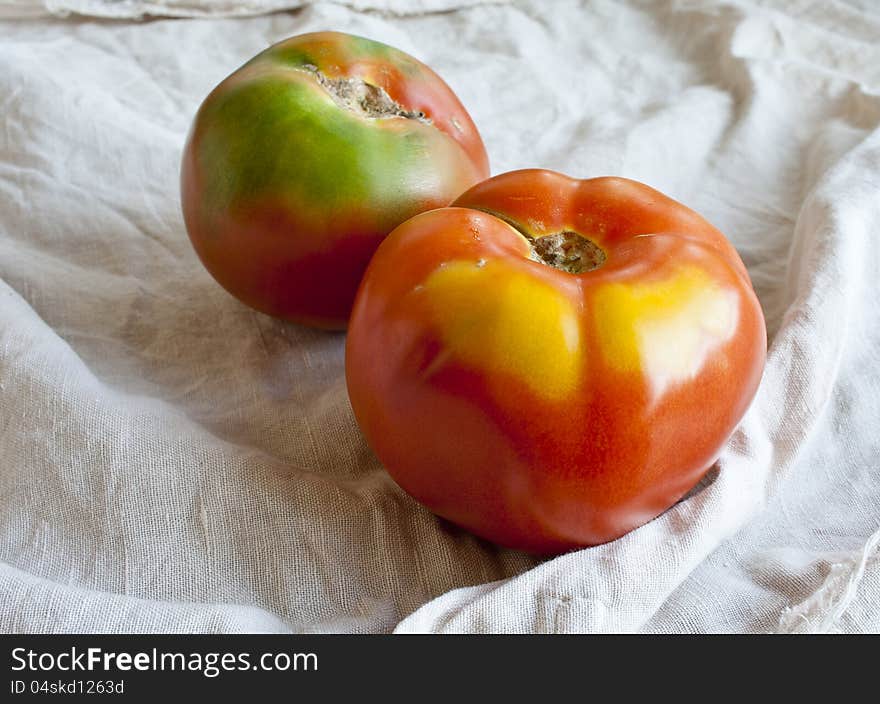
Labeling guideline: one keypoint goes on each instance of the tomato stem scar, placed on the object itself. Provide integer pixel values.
(567, 251)
(365, 98)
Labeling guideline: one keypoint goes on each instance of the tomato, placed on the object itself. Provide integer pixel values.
(553, 362)
(299, 164)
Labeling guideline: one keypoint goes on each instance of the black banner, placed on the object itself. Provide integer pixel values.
(330, 667)
(121, 667)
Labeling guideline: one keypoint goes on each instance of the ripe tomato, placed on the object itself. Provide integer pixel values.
(305, 158)
(553, 362)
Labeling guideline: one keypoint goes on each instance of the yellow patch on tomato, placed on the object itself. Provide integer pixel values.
(664, 329)
(494, 318)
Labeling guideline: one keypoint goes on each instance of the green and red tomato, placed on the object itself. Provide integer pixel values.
(300, 162)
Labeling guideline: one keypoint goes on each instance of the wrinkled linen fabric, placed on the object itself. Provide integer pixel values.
(173, 461)
(139, 9)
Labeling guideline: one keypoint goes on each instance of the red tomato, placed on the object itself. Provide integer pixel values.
(305, 158)
(553, 362)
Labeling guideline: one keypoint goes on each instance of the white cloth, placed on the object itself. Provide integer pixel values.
(172, 461)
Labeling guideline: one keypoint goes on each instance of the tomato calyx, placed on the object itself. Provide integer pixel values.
(362, 97)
